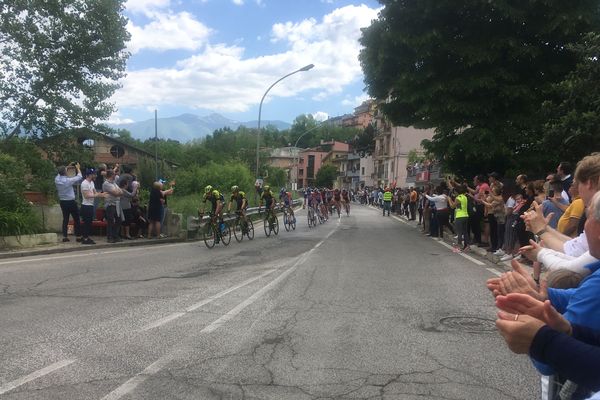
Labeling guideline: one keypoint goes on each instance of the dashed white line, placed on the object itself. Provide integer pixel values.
(208, 300)
(159, 364)
(34, 375)
(495, 272)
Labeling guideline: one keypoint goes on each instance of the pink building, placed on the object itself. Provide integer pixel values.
(310, 161)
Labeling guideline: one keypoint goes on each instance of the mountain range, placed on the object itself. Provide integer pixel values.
(187, 127)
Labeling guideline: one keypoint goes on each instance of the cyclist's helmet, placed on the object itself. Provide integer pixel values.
(282, 191)
(336, 190)
(267, 187)
(235, 188)
(208, 189)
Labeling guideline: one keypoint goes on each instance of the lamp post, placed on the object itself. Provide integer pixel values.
(303, 69)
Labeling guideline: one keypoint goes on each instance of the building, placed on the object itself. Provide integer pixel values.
(285, 158)
(362, 116)
(367, 171)
(310, 161)
(348, 171)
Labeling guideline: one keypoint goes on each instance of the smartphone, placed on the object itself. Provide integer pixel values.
(551, 193)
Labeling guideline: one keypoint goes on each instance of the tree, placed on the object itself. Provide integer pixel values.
(477, 71)
(60, 62)
(573, 113)
(326, 175)
(364, 143)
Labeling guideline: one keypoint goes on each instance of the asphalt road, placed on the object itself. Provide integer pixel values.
(363, 307)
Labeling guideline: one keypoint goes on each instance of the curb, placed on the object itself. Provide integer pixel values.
(133, 243)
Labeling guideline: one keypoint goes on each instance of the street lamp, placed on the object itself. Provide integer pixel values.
(305, 68)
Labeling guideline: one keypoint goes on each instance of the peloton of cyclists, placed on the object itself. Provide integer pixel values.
(241, 201)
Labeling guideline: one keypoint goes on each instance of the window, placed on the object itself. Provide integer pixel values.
(117, 151)
(88, 143)
(363, 171)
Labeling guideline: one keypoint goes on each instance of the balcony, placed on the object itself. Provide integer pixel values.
(423, 173)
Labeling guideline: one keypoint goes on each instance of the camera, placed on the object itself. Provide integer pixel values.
(551, 193)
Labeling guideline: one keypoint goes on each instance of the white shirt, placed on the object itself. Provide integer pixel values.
(85, 187)
(440, 201)
(555, 260)
(576, 247)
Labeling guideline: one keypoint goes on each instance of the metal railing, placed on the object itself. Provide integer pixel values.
(194, 223)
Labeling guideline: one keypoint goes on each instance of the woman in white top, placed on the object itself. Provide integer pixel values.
(442, 213)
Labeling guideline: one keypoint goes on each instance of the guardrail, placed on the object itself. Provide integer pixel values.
(194, 223)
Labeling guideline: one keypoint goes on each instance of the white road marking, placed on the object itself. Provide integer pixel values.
(400, 219)
(460, 254)
(132, 383)
(493, 271)
(93, 253)
(208, 300)
(240, 307)
(34, 375)
(156, 366)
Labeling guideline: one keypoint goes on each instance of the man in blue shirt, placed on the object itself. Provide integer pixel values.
(66, 196)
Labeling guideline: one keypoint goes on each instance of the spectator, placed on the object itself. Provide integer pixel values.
(89, 194)
(140, 223)
(125, 203)
(420, 205)
(587, 175)
(563, 172)
(569, 221)
(441, 211)
(461, 218)
(555, 205)
(66, 196)
(155, 209)
(413, 203)
(98, 182)
(165, 210)
(496, 217)
(387, 201)
(112, 206)
(536, 328)
(476, 218)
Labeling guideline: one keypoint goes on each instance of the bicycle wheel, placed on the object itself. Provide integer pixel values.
(275, 224)
(286, 221)
(293, 223)
(209, 236)
(309, 217)
(238, 230)
(348, 210)
(226, 235)
(266, 226)
(250, 229)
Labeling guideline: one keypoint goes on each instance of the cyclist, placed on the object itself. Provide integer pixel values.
(314, 199)
(241, 203)
(216, 201)
(337, 199)
(346, 200)
(269, 200)
(285, 198)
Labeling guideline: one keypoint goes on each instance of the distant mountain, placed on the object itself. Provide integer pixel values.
(188, 127)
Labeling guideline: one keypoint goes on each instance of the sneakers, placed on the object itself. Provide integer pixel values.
(65, 240)
(499, 253)
(87, 241)
(162, 235)
(507, 257)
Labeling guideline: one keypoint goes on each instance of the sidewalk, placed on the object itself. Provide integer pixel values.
(72, 246)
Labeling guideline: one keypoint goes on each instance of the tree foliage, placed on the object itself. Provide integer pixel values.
(364, 143)
(573, 112)
(477, 71)
(59, 62)
(326, 176)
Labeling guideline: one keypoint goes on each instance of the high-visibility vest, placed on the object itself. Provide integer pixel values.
(387, 196)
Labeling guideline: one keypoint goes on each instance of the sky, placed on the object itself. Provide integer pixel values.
(205, 56)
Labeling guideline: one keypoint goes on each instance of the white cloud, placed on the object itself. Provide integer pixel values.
(167, 32)
(219, 78)
(146, 6)
(320, 116)
(355, 101)
(238, 2)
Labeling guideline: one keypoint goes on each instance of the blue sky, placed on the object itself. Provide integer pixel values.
(204, 56)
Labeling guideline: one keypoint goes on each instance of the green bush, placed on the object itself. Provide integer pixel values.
(40, 172)
(192, 180)
(16, 215)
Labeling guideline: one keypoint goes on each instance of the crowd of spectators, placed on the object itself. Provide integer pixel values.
(111, 195)
(551, 225)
